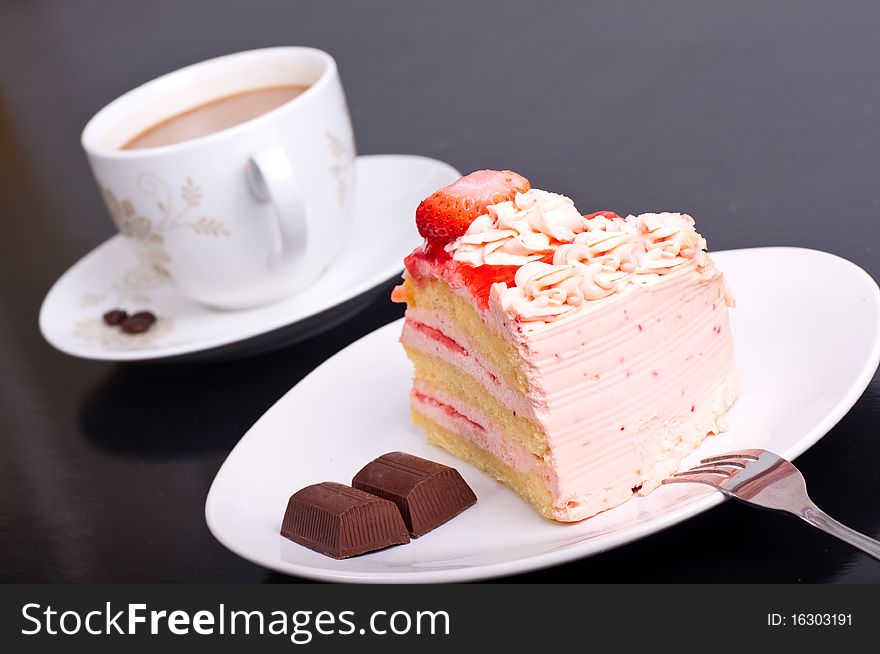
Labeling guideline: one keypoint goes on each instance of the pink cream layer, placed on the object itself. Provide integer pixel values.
(629, 386)
(435, 333)
(473, 426)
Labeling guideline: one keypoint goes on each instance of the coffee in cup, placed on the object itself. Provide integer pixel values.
(234, 178)
(215, 115)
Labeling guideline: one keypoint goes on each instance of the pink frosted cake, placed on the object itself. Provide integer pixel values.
(577, 359)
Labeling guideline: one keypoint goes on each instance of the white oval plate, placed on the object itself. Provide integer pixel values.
(381, 234)
(807, 341)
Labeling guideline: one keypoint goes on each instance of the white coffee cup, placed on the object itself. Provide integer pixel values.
(246, 215)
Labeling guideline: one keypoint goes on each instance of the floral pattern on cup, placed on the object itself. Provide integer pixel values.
(344, 152)
(148, 236)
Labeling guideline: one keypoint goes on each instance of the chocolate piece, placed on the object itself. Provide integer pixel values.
(426, 492)
(341, 521)
(114, 317)
(138, 323)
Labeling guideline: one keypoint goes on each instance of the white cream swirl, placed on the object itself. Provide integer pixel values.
(593, 257)
(545, 291)
(542, 291)
(519, 231)
(619, 249)
(670, 240)
(612, 254)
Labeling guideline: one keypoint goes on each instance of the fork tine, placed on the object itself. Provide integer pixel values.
(711, 470)
(710, 477)
(749, 455)
(721, 464)
(711, 480)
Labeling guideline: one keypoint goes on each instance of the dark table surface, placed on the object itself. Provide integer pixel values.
(761, 119)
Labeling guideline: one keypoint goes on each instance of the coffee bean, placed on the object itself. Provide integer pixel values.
(115, 316)
(138, 323)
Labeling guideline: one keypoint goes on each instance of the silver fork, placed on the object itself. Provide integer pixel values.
(765, 479)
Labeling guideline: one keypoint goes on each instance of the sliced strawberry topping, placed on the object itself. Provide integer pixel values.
(446, 214)
(606, 214)
(431, 260)
(480, 280)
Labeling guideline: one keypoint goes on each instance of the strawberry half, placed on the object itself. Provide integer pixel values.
(446, 214)
(606, 214)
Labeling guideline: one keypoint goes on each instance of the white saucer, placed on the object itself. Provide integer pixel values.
(807, 340)
(383, 232)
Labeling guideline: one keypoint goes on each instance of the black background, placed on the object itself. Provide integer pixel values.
(761, 119)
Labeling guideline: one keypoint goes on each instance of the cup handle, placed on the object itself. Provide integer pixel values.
(271, 179)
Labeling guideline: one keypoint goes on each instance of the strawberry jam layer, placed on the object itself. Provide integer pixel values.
(445, 408)
(434, 260)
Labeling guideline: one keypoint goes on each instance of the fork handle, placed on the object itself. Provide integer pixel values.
(821, 520)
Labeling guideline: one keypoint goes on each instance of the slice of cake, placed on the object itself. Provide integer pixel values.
(577, 359)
